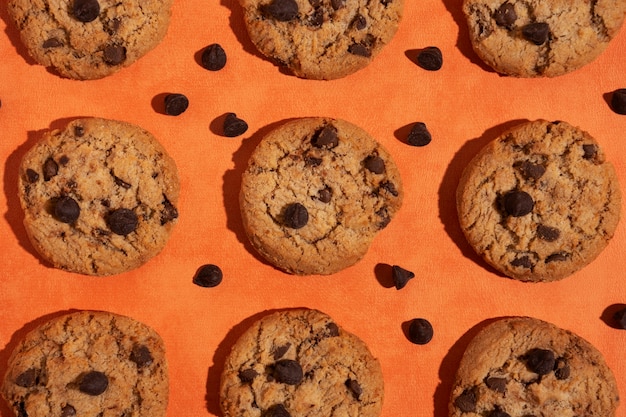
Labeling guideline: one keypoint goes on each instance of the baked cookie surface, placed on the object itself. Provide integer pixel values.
(89, 39)
(539, 202)
(315, 194)
(300, 363)
(99, 196)
(523, 366)
(541, 38)
(321, 39)
(91, 364)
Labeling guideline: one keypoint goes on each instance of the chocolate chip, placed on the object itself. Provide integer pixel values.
(618, 101)
(360, 49)
(169, 212)
(620, 318)
(518, 203)
(234, 126)
(68, 411)
(354, 387)
(52, 43)
(522, 261)
(248, 375)
(281, 10)
(64, 160)
(400, 276)
(93, 383)
(496, 384)
(389, 187)
(589, 151)
(547, 233)
(359, 22)
(120, 182)
(419, 135)
(375, 164)
(540, 361)
(529, 170)
(312, 161)
(79, 131)
(316, 19)
(505, 16)
(280, 351)
(557, 257)
(32, 176)
(338, 4)
(86, 10)
(430, 58)
(420, 331)
(176, 104)
(466, 402)
(537, 33)
(50, 169)
(122, 221)
(208, 276)
(114, 54)
(561, 369)
(288, 371)
(66, 209)
(325, 137)
(214, 57)
(27, 379)
(277, 410)
(296, 216)
(499, 413)
(141, 356)
(332, 329)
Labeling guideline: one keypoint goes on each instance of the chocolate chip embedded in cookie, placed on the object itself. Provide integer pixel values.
(539, 202)
(315, 194)
(322, 39)
(300, 362)
(100, 196)
(541, 38)
(523, 366)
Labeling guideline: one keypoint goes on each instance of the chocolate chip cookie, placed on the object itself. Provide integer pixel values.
(523, 366)
(541, 38)
(89, 39)
(89, 364)
(99, 196)
(300, 362)
(539, 202)
(322, 39)
(315, 194)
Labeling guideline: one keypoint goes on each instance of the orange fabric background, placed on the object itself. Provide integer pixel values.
(465, 105)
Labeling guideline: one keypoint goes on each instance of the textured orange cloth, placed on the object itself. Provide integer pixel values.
(464, 105)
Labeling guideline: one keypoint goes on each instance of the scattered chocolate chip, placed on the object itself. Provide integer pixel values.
(522, 261)
(359, 22)
(360, 49)
(122, 221)
(400, 276)
(66, 209)
(375, 164)
(27, 379)
(557, 257)
(518, 203)
(214, 57)
(288, 371)
(354, 387)
(86, 10)
(620, 318)
(325, 137)
(52, 43)
(505, 16)
(561, 369)
(537, 33)
(496, 384)
(68, 411)
(333, 329)
(50, 169)
(169, 212)
(277, 410)
(325, 195)
(296, 216)
(248, 375)
(114, 54)
(420, 331)
(618, 101)
(32, 176)
(419, 135)
(589, 151)
(93, 383)
(540, 361)
(547, 233)
(208, 276)
(141, 356)
(176, 104)
(529, 170)
(466, 402)
(234, 126)
(281, 10)
(280, 351)
(430, 58)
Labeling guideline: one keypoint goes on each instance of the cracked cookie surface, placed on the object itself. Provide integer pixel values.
(541, 38)
(90, 364)
(99, 197)
(89, 39)
(300, 363)
(322, 39)
(315, 194)
(522, 366)
(539, 202)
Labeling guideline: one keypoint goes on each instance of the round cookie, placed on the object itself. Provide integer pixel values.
(88, 364)
(321, 39)
(539, 202)
(541, 38)
(300, 363)
(99, 196)
(523, 366)
(315, 194)
(89, 39)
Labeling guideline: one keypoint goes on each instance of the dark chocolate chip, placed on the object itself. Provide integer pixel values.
(296, 216)
(540, 361)
(50, 169)
(547, 233)
(214, 57)
(419, 135)
(620, 318)
(561, 369)
(375, 164)
(86, 10)
(496, 384)
(430, 58)
(518, 203)
(169, 213)
(277, 410)
(280, 351)
(52, 43)
(359, 22)
(466, 402)
(208, 276)
(316, 19)
(288, 371)
(338, 4)
(325, 138)
(68, 411)
(499, 413)
(420, 331)
(312, 161)
(234, 126)
(248, 375)
(389, 187)
(354, 387)
(557, 257)
(122, 221)
(325, 195)
(281, 10)
(537, 33)
(505, 16)
(66, 209)
(32, 176)
(618, 101)
(114, 54)
(589, 151)
(79, 131)
(27, 379)
(333, 329)
(400, 276)
(64, 160)
(176, 104)
(360, 49)
(522, 261)
(93, 383)
(120, 182)
(529, 170)
(141, 356)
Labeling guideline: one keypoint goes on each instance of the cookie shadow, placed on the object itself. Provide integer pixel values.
(13, 34)
(238, 26)
(447, 190)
